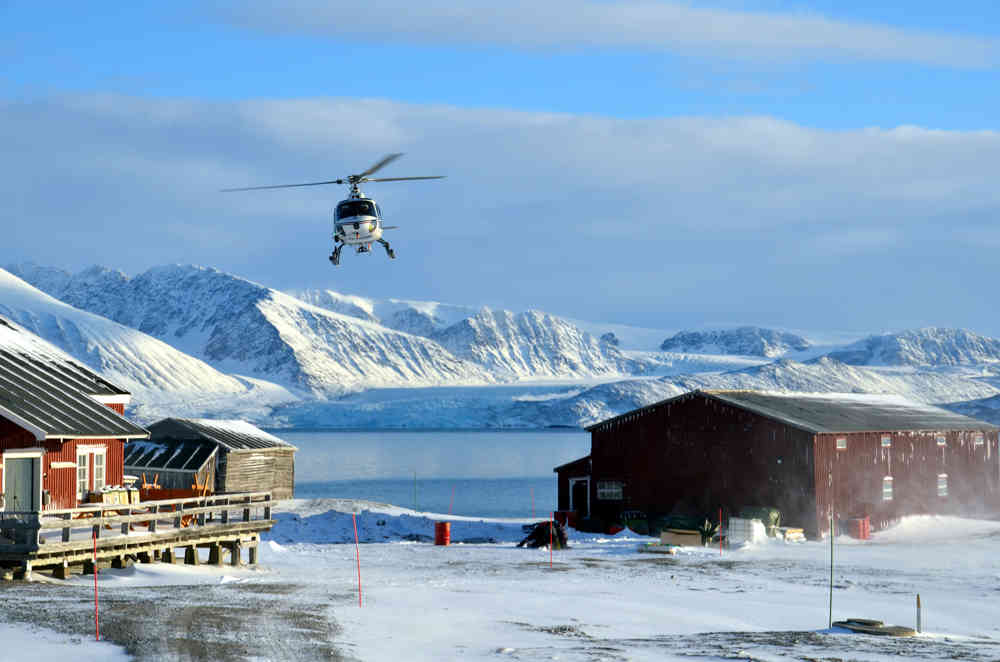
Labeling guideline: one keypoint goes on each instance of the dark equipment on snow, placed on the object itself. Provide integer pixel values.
(539, 535)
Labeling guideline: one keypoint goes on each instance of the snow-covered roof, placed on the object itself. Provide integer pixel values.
(230, 434)
(834, 412)
(46, 392)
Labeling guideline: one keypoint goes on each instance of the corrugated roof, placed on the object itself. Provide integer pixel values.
(47, 393)
(231, 434)
(835, 412)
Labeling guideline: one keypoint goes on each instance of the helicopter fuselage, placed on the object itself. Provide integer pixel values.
(358, 230)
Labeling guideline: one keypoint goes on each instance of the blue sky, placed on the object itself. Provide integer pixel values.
(820, 165)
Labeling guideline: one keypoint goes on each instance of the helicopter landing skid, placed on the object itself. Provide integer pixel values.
(335, 256)
(388, 251)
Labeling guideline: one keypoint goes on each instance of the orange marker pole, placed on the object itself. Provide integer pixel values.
(97, 620)
(357, 554)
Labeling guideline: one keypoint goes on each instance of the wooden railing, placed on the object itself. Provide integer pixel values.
(32, 530)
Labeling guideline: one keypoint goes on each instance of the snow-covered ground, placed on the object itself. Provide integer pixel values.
(483, 598)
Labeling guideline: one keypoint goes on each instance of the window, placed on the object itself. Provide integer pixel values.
(942, 485)
(978, 439)
(941, 441)
(887, 488)
(82, 476)
(351, 208)
(98, 471)
(886, 441)
(842, 444)
(609, 490)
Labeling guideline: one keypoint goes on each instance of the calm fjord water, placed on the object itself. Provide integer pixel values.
(489, 473)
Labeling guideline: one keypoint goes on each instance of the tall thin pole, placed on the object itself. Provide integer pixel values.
(831, 569)
(357, 554)
(97, 620)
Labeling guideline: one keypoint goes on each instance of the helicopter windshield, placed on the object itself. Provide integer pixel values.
(350, 208)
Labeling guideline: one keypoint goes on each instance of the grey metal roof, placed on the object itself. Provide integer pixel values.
(47, 393)
(232, 435)
(835, 412)
(170, 454)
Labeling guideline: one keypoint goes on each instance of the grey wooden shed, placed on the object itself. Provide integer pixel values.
(235, 455)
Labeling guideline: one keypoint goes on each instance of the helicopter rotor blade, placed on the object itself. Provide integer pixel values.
(390, 227)
(400, 179)
(257, 188)
(386, 160)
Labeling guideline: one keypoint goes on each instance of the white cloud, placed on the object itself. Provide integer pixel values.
(651, 25)
(559, 212)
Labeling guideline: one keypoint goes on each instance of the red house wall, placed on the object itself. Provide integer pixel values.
(61, 483)
(849, 481)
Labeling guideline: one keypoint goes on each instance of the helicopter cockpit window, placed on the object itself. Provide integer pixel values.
(355, 208)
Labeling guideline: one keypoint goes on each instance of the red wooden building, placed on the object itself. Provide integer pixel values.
(808, 455)
(62, 429)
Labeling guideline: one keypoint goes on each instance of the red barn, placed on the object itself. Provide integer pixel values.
(810, 456)
(62, 429)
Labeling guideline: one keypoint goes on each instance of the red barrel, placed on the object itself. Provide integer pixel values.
(442, 533)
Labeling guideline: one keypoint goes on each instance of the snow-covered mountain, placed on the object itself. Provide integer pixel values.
(287, 355)
(922, 347)
(241, 327)
(158, 375)
(421, 318)
(329, 343)
(531, 344)
(744, 341)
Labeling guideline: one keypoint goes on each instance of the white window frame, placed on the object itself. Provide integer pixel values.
(82, 493)
(610, 490)
(978, 439)
(941, 440)
(942, 485)
(887, 493)
(886, 441)
(91, 452)
(841, 443)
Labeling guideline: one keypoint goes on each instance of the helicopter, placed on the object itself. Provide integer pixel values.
(357, 221)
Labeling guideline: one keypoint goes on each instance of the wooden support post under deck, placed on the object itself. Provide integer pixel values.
(191, 555)
(215, 554)
(65, 532)
(144, 557)
(252, 554)
(156, 555)
(168, 555)
(25, 571)
(119, 562)
(236, 553)
(61, 571)
(88, 567)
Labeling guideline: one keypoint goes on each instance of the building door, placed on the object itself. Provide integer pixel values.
(579, 496)
(22, 480)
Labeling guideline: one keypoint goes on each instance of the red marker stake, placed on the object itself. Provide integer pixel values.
(97, 621)
(357, 554)
(550, 540)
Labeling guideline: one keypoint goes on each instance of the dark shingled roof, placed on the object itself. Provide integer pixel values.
(835, 412)
(232, 435)
(47, 393)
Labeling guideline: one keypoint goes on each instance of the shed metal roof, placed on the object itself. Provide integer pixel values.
(835, 412)
(230, 434)
(176, 455)
(47, 393)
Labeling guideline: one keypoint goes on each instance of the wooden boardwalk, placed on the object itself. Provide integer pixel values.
(67, 541)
